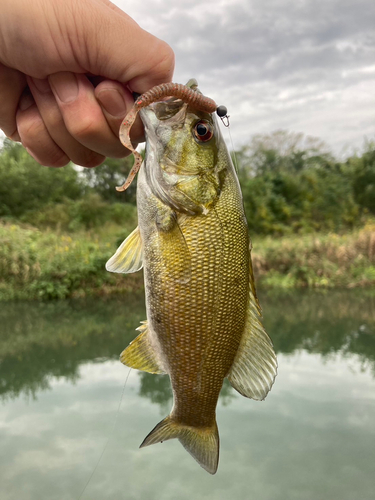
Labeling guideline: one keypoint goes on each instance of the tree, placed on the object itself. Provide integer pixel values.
(106, 177)
(25, 185)
(281, 150)
(364, 177)
(293, 183)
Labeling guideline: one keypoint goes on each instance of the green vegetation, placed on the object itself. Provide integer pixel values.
(62, 198)
(47, 264)
(317, 260)
(292, 184)
(311, 218)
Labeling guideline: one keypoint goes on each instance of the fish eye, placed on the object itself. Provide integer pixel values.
(203, 131)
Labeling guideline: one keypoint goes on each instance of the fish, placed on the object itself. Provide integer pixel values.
(203, 315)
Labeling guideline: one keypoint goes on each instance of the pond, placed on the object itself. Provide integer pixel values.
(66, 413)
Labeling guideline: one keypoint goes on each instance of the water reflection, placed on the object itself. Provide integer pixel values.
(41, 341)
(157, 389)
(334, 322)
(312, 439)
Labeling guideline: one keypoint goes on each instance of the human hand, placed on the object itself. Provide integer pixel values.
(67, 73)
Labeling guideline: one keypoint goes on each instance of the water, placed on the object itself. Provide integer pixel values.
(61, 384)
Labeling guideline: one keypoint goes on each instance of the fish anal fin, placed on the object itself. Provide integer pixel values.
(201, 442)
(140, 353)
(255, 366)
(129, 256)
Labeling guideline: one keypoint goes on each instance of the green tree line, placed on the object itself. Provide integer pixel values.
(290, 184)
(58, 227)
(67, 198)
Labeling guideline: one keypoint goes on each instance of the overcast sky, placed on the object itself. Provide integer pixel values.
(301, 65)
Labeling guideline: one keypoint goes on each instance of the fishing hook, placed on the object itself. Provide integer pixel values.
(222, 112)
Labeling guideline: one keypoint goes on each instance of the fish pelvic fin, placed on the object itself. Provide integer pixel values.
(201, 442)
(129, 255)
(255, 366)
(140, 354)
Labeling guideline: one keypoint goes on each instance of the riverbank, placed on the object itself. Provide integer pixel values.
(317, 260)
(49, 264)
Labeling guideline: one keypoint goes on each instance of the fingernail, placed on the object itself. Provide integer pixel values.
(26, 101)
(113, 102)
(42, 85)
(65, 86)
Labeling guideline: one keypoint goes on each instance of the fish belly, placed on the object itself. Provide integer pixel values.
(196, 285)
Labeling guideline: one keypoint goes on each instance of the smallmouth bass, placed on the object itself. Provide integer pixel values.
(203, 316)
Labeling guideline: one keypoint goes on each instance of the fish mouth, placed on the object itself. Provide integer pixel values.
(162, 110)
(151, 125)
(149, 119)
(159, 118)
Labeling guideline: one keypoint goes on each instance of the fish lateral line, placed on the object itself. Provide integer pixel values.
(186, 94)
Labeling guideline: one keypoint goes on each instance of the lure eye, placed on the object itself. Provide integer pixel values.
(203, 131)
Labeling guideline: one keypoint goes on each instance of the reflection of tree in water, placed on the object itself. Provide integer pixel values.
(158, 389)
(227, 393)
(330, 323)
(41, 341)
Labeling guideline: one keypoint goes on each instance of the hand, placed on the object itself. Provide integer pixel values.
(67, 73)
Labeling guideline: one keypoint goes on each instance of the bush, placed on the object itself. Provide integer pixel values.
(48, 265)
(27, 186)
(89, 212)
(317, 260)
(287, 189)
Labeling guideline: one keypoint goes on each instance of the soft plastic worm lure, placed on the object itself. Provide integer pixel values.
(186, 94)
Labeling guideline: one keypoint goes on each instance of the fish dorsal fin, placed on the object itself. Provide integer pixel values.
(140, 354)
(255, 366)
(129, 256)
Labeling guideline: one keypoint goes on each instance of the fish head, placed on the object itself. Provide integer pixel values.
(182, 164)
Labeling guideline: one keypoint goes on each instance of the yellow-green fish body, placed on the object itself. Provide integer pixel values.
(203, 317)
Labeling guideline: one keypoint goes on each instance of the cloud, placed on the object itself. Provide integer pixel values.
(302, 65)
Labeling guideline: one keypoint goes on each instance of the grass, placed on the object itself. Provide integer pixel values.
(47, 265)
(317, 260)
(51, 264)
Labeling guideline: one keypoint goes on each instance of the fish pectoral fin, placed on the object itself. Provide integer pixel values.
(201, 442)
(140, 354)
(174, 253)
(255, 366)
(129, 256)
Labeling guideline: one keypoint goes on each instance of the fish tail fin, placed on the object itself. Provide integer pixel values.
(201, 442)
